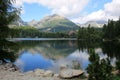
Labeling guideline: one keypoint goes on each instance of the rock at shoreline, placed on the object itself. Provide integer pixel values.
(39, 72)
(10, 67)
(48, 74)
(43, 73)
(56, 75)
(70, 73)
(7, 73)
(63, 67)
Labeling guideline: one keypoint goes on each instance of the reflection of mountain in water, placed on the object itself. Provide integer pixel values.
(49, 49)
(76, 59)
(56, 53)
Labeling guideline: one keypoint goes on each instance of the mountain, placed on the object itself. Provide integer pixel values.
(55, 23)
(32, 23)
(93, 24)
(18, 22)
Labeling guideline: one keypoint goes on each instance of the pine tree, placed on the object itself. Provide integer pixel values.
(8, 13)
(99, 69)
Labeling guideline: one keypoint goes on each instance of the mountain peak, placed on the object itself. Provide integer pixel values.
(52, 17)
(55, 23)
(32, 22)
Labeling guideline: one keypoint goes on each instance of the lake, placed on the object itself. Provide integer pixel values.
(52, 54)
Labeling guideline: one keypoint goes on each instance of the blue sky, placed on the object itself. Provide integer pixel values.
(79, 11)
(34, 12)
(95, 5)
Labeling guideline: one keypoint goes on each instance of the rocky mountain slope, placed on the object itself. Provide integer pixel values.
(54, 23)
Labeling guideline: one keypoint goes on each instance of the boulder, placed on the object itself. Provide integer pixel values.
(70, 73)
(29, 73)
(48, 74)
(11, 67)
(21, 74)
(39, 72)
(56, 75)
(63, 66)
(8, 65)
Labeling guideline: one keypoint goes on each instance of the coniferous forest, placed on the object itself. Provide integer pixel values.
(109, 32)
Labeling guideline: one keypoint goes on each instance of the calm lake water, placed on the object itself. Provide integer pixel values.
(50, 55)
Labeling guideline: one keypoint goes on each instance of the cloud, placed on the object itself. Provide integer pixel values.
(113, 8)
(73, 8)
(111, 11)
(66, 8)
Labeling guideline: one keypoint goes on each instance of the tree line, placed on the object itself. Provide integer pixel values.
(109, 31)
(31, 32)
(89, 33)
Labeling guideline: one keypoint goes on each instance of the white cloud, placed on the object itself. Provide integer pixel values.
(66, 8)
(111, 11)
(71, 8)
(99, 15)
(113, 8)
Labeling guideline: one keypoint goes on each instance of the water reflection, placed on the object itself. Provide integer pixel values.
(28, 61)
(44, 54)
(8, 51)
(53, 54)
(112, 49)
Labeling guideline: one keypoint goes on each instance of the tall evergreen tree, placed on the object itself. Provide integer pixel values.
(112, 30)
(8, 13)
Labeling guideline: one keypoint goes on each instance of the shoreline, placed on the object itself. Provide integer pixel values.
(39, 39)
(10, 72)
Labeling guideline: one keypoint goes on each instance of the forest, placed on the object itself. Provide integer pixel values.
(109, 32)
(31, 32)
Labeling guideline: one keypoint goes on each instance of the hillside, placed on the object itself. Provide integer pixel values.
(55, 23)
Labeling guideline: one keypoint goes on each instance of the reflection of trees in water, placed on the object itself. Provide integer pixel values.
(4, 55)
(88, 44)
(112, 49)
(8, 50)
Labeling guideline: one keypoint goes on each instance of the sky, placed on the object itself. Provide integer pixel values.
(78, 11)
